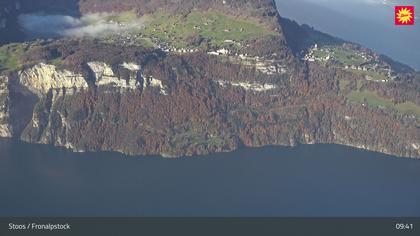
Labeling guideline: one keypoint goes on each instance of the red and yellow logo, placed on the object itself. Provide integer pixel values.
(404, 15)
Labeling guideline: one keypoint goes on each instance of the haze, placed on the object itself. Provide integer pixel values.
(368, 22)
(93, 25)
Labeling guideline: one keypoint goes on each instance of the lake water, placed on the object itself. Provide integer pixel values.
(311, 180)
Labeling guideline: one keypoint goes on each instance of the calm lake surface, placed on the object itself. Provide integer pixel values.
(313, 180)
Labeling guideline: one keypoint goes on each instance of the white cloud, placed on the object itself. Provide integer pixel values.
(93, 25)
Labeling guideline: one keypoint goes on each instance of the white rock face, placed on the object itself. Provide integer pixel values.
(117, 82)
(219, 52)
(147, 80)
(131, 66)
(42, 77)
(101, 70)
(256, 87)
(261, 64)
(5, 128)
(348, 118)
(104, 76)
(156, 83)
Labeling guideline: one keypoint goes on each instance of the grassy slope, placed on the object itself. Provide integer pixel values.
(216, 27)
(374, 100)
(10, 56)
(178, 30)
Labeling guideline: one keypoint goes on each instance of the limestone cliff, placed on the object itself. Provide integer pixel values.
(41, 78)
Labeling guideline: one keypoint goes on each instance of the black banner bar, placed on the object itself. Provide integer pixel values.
(211, 226)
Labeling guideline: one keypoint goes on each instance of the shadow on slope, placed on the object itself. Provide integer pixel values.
(301, 37)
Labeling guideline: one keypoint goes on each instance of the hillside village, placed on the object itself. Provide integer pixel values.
(215, 34)
(352, 59)
(221, 36)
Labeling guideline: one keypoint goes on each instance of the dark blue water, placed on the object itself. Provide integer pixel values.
(318, 180)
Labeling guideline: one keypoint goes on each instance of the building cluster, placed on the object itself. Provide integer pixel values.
(370, 62)
(262, 64)
(314, 56)
(266, 66)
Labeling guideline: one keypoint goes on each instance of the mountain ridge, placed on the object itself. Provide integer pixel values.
(211, 87)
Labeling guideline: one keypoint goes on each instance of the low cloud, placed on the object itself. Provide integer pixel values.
(93, 25)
